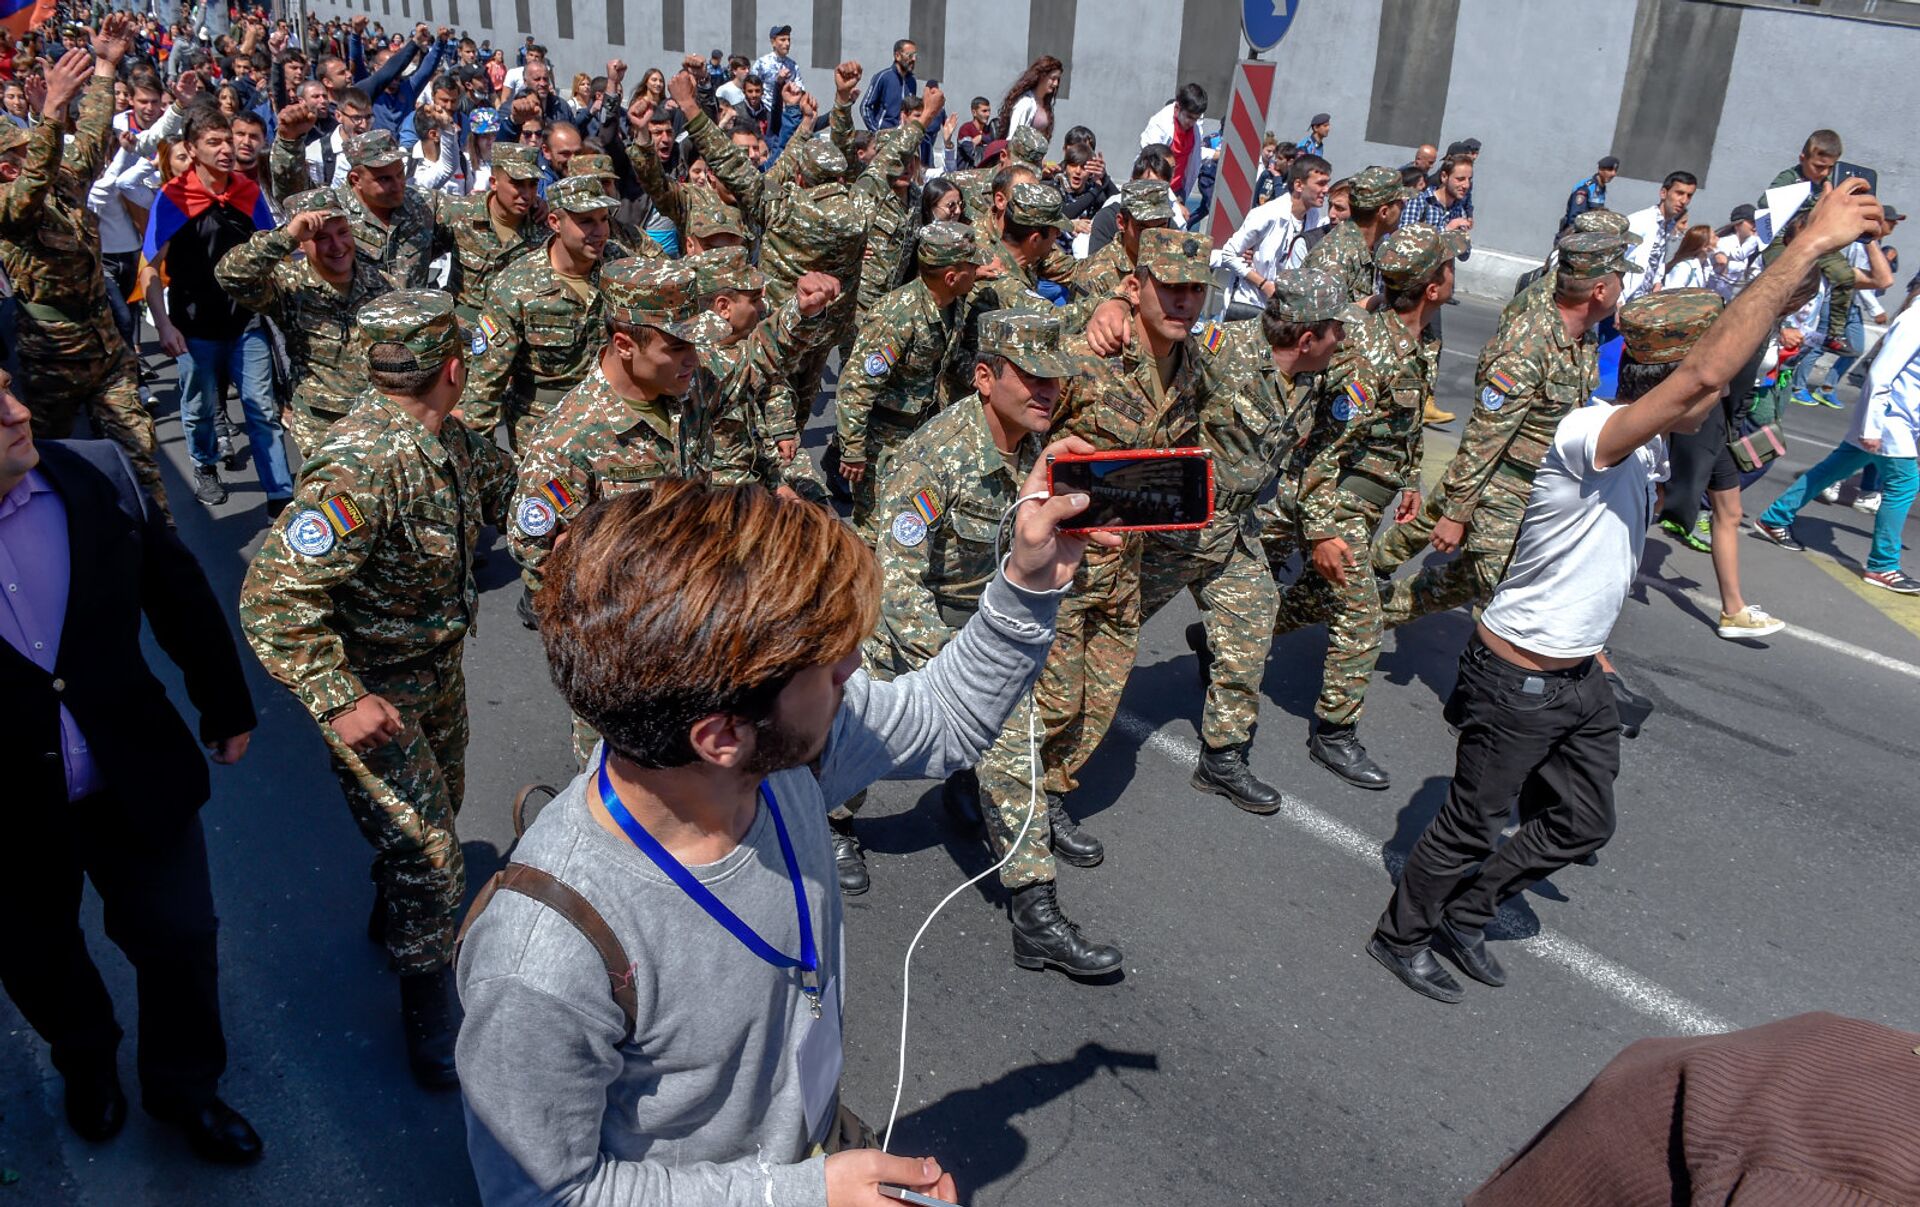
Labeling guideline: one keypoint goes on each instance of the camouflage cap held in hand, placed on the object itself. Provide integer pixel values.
(1147, 201)
(1028, 145)
(1412, 253)
(944, 244)
(517, 161)
(1035, 205)
(374, 149)
(1305, 295)
(1607, 222)
(410, 330)
(1376, 186)
(1661, 328)
(591, 163)
(724, 268)
(820, 161)
(316, 201)
(1585, 255)
(663, 294)
(579, 195)
(1031, 340)
(1174, 257)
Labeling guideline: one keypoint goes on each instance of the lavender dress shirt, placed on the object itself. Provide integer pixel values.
(34, 578)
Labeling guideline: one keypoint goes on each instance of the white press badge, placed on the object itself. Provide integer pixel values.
(820, 1058)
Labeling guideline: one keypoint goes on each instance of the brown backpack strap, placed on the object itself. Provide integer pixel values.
(563, 899)
(520, 800)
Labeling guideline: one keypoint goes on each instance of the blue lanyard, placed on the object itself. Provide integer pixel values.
(809, 961)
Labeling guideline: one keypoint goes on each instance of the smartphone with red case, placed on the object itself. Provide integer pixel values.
(1137, 490)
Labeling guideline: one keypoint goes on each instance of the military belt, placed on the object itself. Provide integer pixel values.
(1368, 490)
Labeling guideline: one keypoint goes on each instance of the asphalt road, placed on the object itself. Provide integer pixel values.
(1250, 1052)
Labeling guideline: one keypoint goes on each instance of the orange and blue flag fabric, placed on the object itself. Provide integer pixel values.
(22, 17)
(186, 197)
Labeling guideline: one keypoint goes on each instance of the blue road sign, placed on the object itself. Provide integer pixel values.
(1266, 21)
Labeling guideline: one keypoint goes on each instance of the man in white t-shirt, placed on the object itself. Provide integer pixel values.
(1536, 717)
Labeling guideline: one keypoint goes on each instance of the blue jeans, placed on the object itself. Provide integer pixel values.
(204, 373)
(1898, 481)
(1836, 373)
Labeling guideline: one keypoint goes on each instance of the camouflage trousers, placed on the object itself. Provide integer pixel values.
(1279, 533)
(886, 430)
(68, 367)
(1095, 637)
(836, 328)
(404, 797)
(1230, 581)
(1352, 616)
(1469, 577)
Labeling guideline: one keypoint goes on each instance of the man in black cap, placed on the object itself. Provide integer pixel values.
(1591, 193)
(776, 68)
(1315, 143)
(1736, 252)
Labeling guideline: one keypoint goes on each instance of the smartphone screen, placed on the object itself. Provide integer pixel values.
(1172, 490)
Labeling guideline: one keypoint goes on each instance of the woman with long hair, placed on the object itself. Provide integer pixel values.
(653, 85)
(942, 201)
(1030, 101)
(229, 99)
(1692, 264)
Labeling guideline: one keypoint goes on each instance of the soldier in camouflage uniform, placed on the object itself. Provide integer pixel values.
(1541, 364)
(890, 226)
(599, 166)
(947, 489)
(1347, 252)
(493, 227)
(1539, 281)
(360, 604)
(400, 230)
(900, 363)
(1149, 397)
(308, 278)
(544, 319)
(683, 203)
(1364, 452)
(1144, 205)
(71, 355)
(1257, 394)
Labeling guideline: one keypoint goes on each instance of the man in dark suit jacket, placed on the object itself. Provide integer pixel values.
(105, 781)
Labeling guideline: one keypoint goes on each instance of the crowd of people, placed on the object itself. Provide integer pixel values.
(452, 297)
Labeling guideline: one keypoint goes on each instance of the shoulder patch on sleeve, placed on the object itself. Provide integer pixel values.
(308, 533)
(1502, 381)
(926, 505)
(1212, 336)
(1492, 399)
(878, 363)
(535, 516)
(342, 513)
(554, 494)
(908, 529)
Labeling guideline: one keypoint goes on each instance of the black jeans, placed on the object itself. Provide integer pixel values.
(1549, 740)
(158, 910)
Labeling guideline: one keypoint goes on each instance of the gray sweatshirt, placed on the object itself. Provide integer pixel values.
(704, 1106)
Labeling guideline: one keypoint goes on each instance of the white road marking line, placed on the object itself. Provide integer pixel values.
(1617, 981)
(1800, 632)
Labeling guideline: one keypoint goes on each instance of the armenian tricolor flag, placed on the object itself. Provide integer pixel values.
(21, 17)
(927, 506)
(342, 513)
(186, 197)
(556, 493)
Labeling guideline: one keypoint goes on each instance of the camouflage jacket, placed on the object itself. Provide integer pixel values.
(946, 488)
(1014, 289)
(287, 174)
(371, 565)
(1531, 375)
(1253, 417)
(677, 200)
(1345, 256)
(889, 230)
(1100, 274)
(324, 344)
(49, 239)
(478, 250)
(405, 248)
(598, 445)
(753, 372)
(535, 341)
(899, 361)
(1365, 444)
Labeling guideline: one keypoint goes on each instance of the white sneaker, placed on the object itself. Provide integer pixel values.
(1830, 495)
(1749, 622)
(1869, 502)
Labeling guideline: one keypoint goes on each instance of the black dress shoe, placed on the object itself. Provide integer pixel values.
(849, 864)
(1071, 844)
(1471, 955)
(1044, 937)
(1338, 749)
(1224, 772)
(96, 1105)
(1419, 972)
(216, 1131)
(1202, 652)
(426, 1014)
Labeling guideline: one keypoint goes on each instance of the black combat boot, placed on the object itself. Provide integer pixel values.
(426, 1011)
(1043, 937)
(1070, 842)
(848, 860)
(1338, 749)
(961, 795)
(524, 609)
(1224, 772)
(1202, 652)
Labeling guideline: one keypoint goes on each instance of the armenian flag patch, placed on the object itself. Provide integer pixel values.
(342, 513)
(1500, 381)
(555, 492)
(927, 506)
(1359, 395)
(1213, 337)
(489, 328)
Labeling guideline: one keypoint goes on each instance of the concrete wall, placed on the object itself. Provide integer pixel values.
(1549, 86)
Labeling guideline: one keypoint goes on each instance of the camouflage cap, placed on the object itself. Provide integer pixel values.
(724, 268)
(374, 149)
(1031, 340)
(944, 244)
(1035, 205)
(820, 161)
(1376, 186)
(1147, 200)
(707, 221)
(1412, 253)
(1585, 255)
(1305, 295)
(1174, 257)
(12, 137)
(1028, 145)
(516, 160)
(579, 195)
(1608, 222)
(421, 322)
(316, 201)
(1660, 328)
(663, 294)
(591, 163)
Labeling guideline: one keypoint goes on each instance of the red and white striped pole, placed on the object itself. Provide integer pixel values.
(1239, 165)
